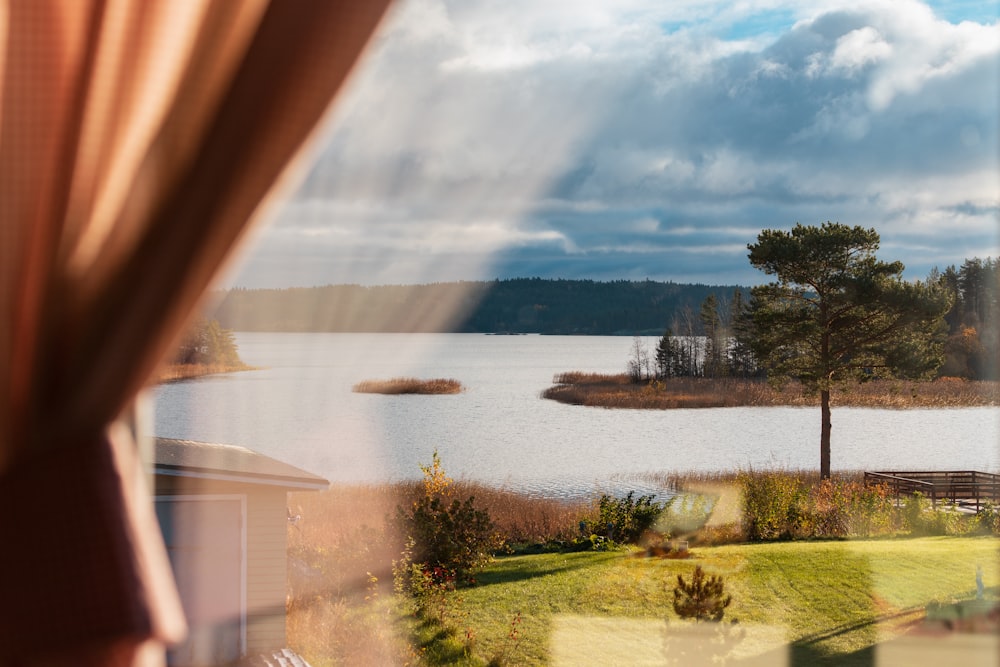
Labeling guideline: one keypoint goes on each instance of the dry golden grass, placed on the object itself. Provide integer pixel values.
(694, 480)
(177, 372)
(341, 549)
(522, 519)
(337, 520)
(616, 391)
(579, 377)
(409, 386)
(341, 552)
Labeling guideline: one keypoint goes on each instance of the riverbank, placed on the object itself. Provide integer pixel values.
(618, 391)
(178, 372)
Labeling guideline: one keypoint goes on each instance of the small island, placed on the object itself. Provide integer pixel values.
(620, 391)
(403, 385)
(207, 349)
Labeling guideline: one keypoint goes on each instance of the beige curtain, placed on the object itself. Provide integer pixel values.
(137, 139)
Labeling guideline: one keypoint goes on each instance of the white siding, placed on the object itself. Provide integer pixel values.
(267, 531)
(266, 554)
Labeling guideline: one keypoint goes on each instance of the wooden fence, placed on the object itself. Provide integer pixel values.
(965, 488)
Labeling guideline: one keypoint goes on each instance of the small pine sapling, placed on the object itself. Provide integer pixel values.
(703, 599)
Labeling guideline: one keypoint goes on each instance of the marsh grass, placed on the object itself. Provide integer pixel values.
(522, 519)
(404, 385)
(178, 372)
(617, 391)
(341, 548)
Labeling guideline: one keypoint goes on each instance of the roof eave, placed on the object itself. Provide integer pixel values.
(317, 484)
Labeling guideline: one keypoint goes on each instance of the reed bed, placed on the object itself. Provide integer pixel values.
(178, 372)
(342, 544)
(693, 480)
(338, 520)
(409, 386)
(579, 377)
(522, 519)
(617, 391)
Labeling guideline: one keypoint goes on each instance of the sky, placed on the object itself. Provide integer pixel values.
(643, 139)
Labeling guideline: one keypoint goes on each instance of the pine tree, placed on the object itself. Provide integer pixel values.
(703, 599)
(740, 355)
(838, 313)
(666, 356)
(712, 323)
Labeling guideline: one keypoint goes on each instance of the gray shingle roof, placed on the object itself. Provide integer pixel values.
(187, 458)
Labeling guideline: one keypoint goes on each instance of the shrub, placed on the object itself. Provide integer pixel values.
(988, 519)
(779, 505)
(429, 587)
(703, 599)
(871, 509)
(446, 534)
(627, 518)
(913, 509)
(772, 505)
(921, 518)
(844, 508)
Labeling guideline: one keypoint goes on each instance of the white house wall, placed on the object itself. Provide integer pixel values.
(266, 553)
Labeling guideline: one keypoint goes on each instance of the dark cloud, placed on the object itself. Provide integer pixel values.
(655, 142)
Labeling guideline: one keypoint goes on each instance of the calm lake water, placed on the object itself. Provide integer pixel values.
(300, 408)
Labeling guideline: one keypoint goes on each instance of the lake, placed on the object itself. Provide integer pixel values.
(299, 408)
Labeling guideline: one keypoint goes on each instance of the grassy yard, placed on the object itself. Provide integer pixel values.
(827, 602)
(803, 602)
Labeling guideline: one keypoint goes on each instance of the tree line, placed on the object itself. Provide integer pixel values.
(510, 306)
(717, 338)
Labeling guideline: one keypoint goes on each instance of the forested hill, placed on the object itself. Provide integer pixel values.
(522, 305)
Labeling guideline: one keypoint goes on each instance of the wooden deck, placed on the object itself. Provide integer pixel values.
(967, 489)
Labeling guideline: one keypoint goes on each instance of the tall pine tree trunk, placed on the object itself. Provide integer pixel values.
(824, 434)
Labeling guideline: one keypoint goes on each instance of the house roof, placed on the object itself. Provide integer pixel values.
(231, 463)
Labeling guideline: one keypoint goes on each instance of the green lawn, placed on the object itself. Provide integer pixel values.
(798, 602)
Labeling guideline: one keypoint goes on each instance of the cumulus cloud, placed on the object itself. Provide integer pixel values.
(643, 139)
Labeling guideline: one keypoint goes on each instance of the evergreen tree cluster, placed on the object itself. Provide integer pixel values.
(714, 345)
(718, 342)
(208, 343)
(972, 349)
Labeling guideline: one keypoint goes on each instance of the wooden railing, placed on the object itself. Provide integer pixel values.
(965, 488)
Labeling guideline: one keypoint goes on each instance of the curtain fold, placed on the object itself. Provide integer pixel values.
(138, 138)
